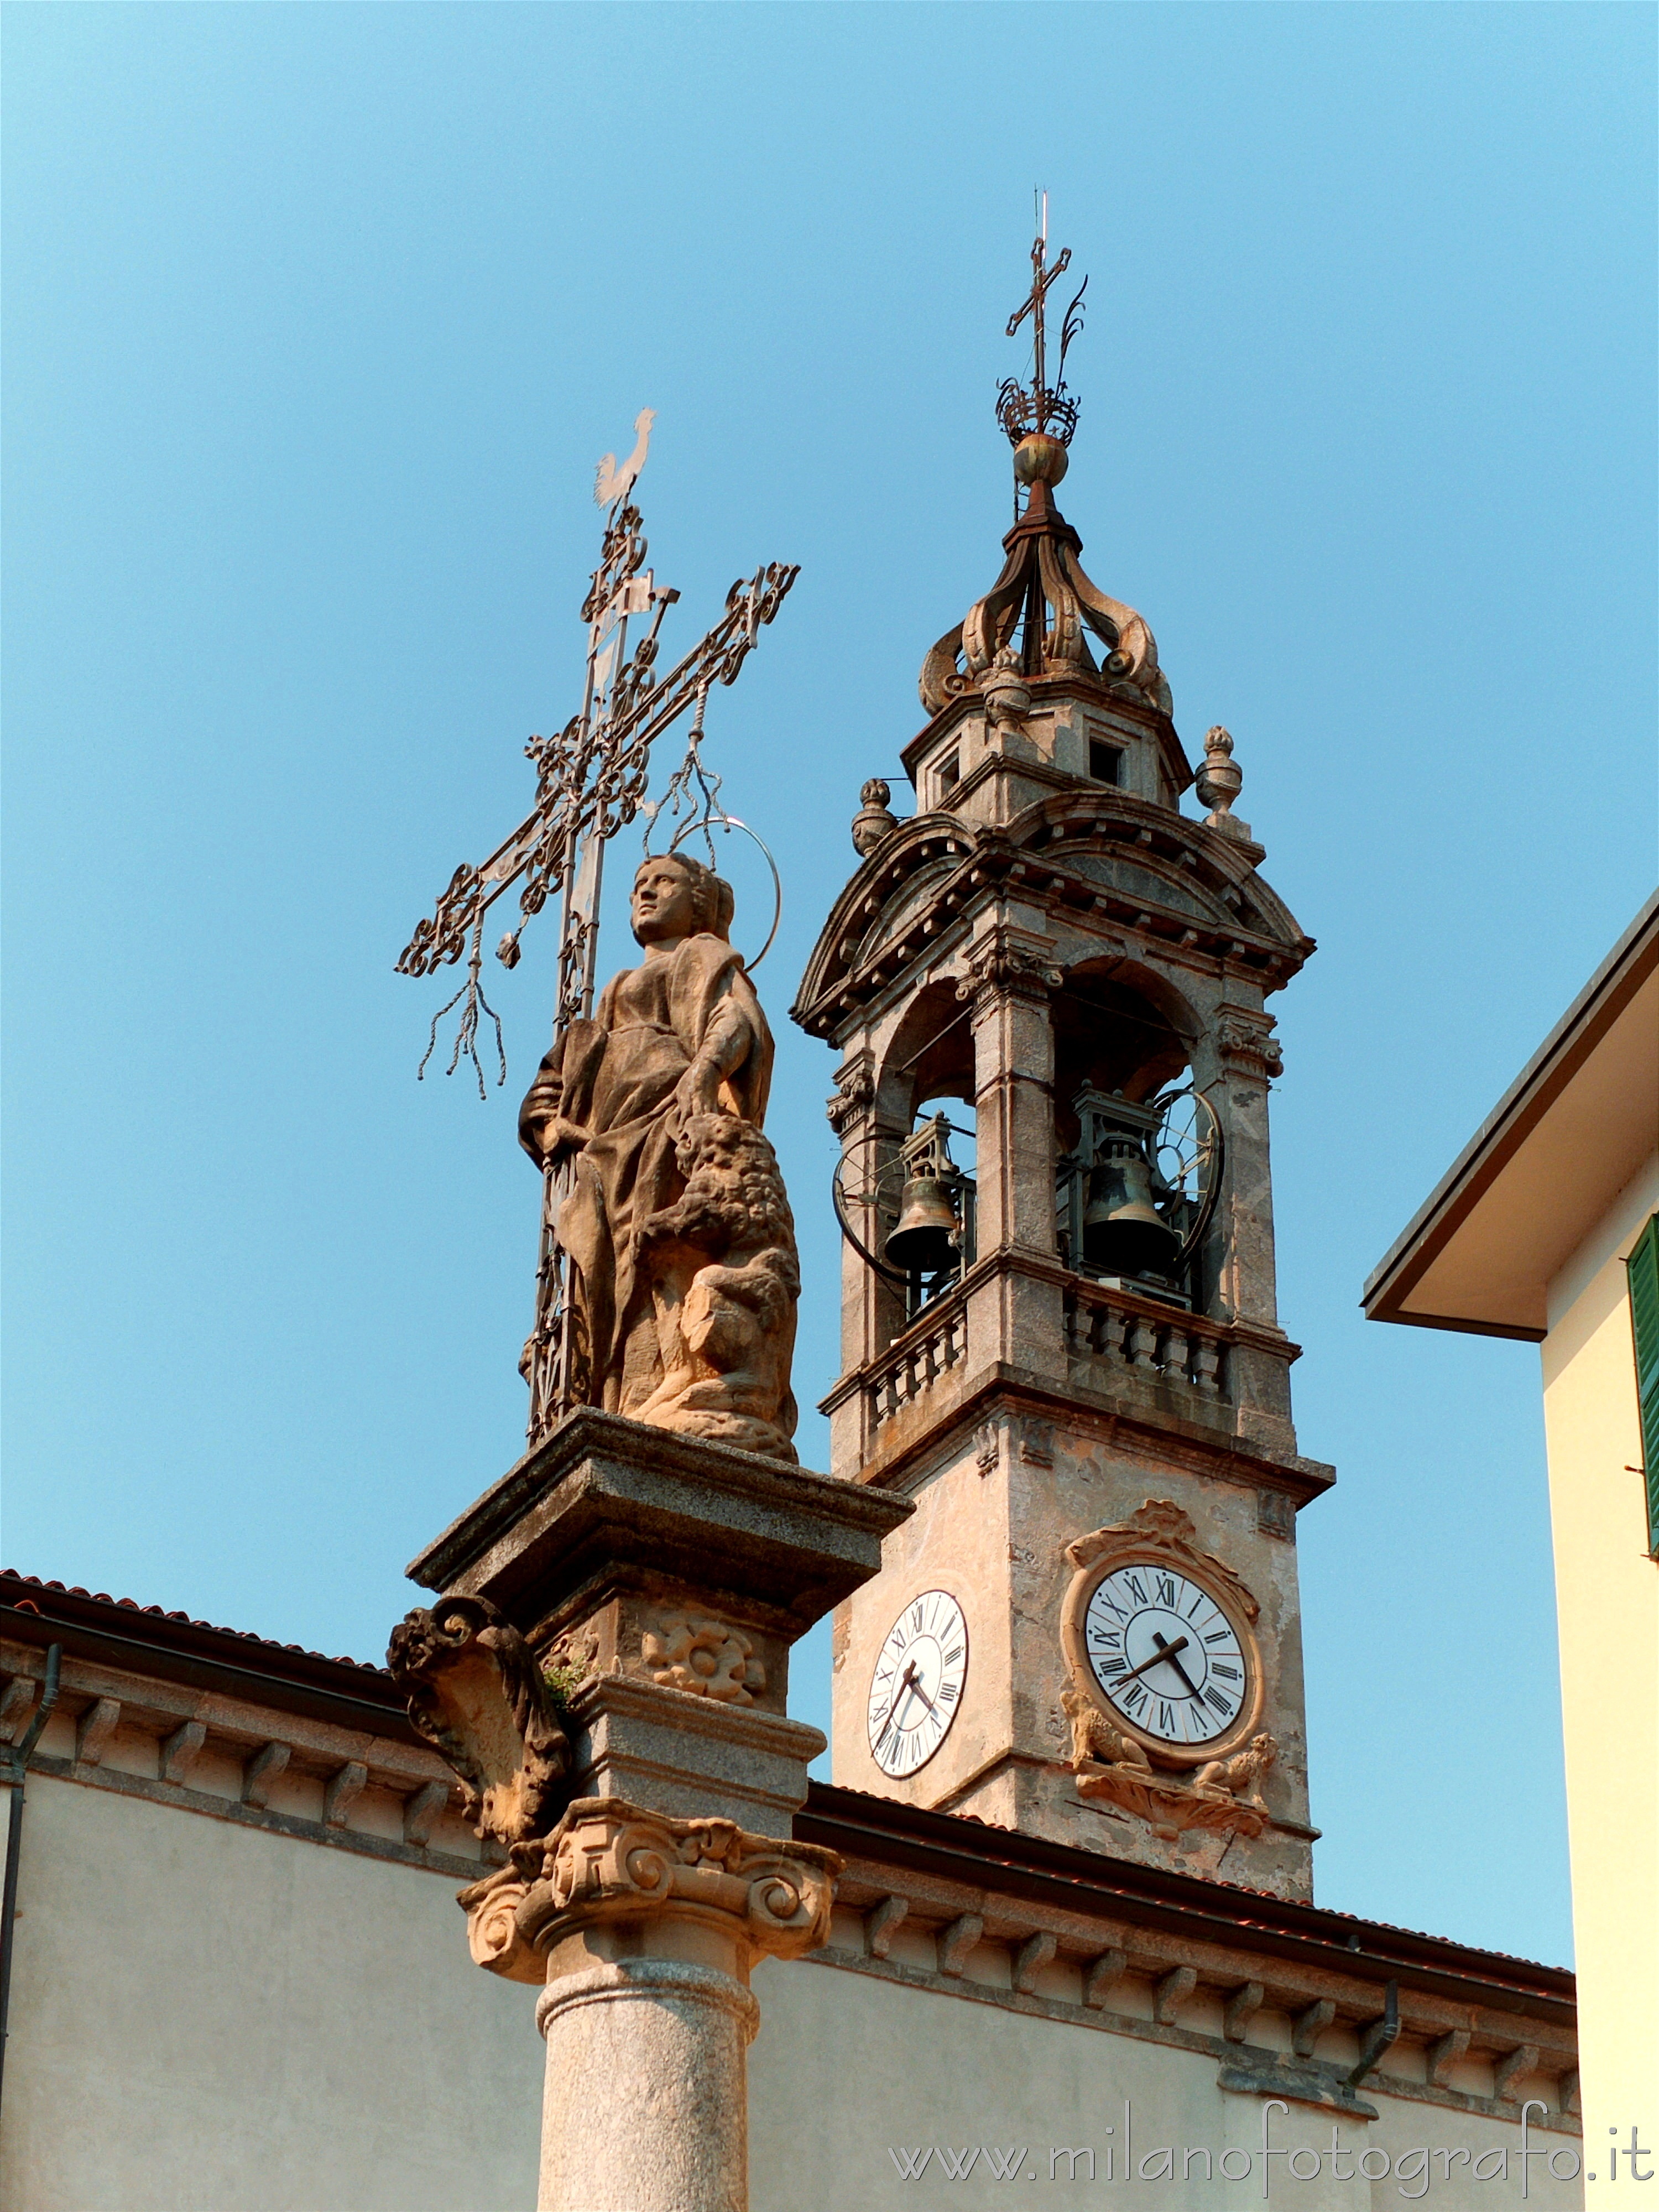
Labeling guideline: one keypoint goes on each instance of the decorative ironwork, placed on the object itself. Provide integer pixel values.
(692, 804)
(591, 781)
(1048, 410)
(466, 1036)
(1031, 623)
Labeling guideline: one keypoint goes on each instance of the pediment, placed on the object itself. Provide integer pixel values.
(1092, 849)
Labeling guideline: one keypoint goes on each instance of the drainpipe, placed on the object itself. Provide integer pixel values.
(13, 1762)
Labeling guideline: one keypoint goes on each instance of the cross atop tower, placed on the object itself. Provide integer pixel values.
(1042, 408)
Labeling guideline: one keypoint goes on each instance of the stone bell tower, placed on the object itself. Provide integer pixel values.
(1071, 1359)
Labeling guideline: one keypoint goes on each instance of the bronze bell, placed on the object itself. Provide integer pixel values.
(1123, 1232)
(924, 1238)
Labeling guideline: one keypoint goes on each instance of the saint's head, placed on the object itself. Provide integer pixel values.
(675, 896)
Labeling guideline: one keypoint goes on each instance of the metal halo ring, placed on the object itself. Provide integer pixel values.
(731, 822)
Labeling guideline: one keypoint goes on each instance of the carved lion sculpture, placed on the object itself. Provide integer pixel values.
(1241, 1775)
(724, 1281)
(1093, 1736)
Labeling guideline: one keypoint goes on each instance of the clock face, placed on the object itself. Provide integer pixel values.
(1166, 1654)
(917, 1684)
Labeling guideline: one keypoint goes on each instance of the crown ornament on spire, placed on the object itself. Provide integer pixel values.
(1031, 625)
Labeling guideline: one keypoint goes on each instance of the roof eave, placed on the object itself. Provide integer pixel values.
(1523, 1106)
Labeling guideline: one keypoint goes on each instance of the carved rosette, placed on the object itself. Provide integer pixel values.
(703, 1656)
(610, 1861)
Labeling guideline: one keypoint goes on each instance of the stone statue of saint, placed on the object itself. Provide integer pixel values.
(677, 1232)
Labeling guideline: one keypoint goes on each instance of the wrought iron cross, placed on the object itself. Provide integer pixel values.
(1020, 411)
(590, 782)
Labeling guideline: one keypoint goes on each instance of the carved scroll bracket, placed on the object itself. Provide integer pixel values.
(1247, 1043)
(476, 1694)
(853, 1096)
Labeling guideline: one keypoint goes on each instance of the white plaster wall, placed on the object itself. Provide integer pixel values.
(1607, 1597)
(206, 2018)
(848, 2066)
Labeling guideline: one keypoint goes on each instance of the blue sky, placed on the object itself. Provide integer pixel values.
(317, 321)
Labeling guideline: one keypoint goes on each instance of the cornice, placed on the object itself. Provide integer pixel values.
(1176, 1442)
(944, 1846)
(1033, 857)
(196, 1656)
(1088, 689)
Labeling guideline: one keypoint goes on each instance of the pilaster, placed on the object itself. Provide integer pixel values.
(1010, 974)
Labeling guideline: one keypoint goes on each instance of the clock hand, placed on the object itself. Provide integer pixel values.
(907, 1683)
(1165, 1651)
(1168, 1651)
(915, 1685)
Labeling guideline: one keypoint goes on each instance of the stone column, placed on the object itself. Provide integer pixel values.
(644, 1928)
(683, 2031)
(615, 1630)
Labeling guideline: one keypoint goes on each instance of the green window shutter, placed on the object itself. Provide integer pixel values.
(1644, 1266)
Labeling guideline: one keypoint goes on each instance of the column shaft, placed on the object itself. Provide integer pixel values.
(646, 2105)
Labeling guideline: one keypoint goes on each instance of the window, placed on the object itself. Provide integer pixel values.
(1644, 1268)
(1105, 762)
(950, 772)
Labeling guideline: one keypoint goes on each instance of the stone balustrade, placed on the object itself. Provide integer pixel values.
(1130, 1332)
(930, 1347)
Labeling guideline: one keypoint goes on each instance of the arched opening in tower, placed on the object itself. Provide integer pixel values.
(1136, 1151)
(923, 1212)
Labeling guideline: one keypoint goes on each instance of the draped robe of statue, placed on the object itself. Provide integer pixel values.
(608, 1094)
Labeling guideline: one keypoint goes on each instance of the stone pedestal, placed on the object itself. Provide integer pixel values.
(618, 1615)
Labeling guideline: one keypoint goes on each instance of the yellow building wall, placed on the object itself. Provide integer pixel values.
(1606, 1593)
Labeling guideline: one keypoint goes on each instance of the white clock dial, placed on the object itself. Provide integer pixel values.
(1166, 1654)
(917, 1685)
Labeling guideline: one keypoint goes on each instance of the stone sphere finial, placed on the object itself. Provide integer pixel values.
(874, 819)
(1219, 782)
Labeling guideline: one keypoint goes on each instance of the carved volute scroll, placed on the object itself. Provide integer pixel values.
(476, 1693)
(611, 1861)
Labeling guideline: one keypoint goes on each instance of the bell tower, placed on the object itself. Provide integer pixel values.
(1059, 1335)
